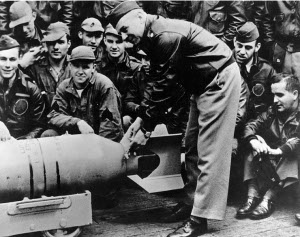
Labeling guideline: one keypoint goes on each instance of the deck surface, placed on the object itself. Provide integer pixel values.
(138, 213)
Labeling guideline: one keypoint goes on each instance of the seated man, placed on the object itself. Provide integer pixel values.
(88, 102)
(91, 34)
(26, 31)
(274, 134)
(256, 71)
(116, 64)
(54, 68)
(22, 108)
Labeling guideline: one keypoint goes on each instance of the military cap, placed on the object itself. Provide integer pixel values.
(121, 10)
(92, 25)
(247, 33)
(6, 42)
(55, 31)
(82, 53)
(110, 30)
(20, 13)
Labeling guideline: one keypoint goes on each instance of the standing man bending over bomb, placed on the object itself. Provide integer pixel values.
(183, 52)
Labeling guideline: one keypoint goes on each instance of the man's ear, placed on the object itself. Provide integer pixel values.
(80, 34)
(69, 44)
(296, 94)
(34, 15)
(257, 47)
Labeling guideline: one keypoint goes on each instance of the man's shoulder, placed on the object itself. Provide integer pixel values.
(161, 25)
(265, 63)
(101, 79)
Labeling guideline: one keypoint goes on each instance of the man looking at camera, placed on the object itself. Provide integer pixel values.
(88, 102)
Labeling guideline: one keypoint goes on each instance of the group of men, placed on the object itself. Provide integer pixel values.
(194, 83)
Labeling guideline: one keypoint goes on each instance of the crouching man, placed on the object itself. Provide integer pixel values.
(273, 135)
(22, 108)
(88, 102)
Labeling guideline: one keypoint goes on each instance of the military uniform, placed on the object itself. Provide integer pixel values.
(22, 108)
(20, 13)
(281, 28)
(99, 104)
(221, 18)
(45, 76)
(182, 52)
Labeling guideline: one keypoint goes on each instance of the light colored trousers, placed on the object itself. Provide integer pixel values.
(209, 139)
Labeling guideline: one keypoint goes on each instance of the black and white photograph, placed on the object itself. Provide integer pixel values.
(129, 118)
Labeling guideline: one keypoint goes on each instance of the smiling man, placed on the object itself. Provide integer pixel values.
(256, 71)
(116, 64)
(87, 102)
(91, 34)
(274, 134)
(53, 69)
(182, 52)
(22, 108)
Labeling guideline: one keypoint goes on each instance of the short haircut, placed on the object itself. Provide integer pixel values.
(292, 82)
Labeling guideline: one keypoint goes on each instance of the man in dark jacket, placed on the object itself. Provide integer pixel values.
(91, 34)
(275, 135)
(87, 102)
(281, 35)
(22, 108)
(116, 64)
(27, 33)
(54, 68)
(182, 52)
(256, 71)
(221, 18)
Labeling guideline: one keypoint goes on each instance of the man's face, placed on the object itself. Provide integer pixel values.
(115, 46)
(9, 60)
(58, 49)
(91, 39)
(131, 27)
(244, 52)
(283, 99)
(81, 72)
(27, 30)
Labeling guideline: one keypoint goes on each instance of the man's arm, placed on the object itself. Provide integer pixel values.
(134, 93)
(4, 132)
(236, 17)
(60, 115)
(110, 125)
(254, 128)
(162, 78)
(38, 112)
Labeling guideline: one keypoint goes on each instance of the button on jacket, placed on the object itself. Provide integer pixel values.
(22, 108)
(99, 106)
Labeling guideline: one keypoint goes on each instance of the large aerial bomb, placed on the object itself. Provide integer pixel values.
(64, 165)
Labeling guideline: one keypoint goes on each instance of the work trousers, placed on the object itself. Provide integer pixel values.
(209, 140)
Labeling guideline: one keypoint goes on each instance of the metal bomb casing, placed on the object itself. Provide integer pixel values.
(58, 166)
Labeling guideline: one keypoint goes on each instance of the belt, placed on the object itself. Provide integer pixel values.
(229, 62)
